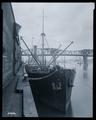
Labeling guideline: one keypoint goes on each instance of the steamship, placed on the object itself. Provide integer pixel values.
(50, 83)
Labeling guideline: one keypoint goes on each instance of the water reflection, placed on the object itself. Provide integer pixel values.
(81, 101)
(82, 92)
(85, 75)
(69, 111)
(46, 111)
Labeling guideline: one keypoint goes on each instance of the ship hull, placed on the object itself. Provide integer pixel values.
(54, 89)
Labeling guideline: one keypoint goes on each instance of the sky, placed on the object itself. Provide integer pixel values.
(63, 23)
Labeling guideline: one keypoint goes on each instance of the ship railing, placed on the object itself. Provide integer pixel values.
(50, 74)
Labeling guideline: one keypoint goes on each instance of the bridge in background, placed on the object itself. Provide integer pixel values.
(85, 53)
(49, 52)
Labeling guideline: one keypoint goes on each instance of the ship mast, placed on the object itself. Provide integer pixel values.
(43, 35)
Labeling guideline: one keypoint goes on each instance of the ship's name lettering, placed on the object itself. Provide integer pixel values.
(56, 85)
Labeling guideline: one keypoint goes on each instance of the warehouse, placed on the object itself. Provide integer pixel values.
(11, 45)
(11, 62)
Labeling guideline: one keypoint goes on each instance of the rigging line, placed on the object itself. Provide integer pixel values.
(47, 42)
(60, 53)
(37, 57)
(38, 42)
(37, 49)
(43, 22)
(31, 52)
(53, 53)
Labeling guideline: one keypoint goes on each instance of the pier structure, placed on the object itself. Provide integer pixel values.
(85, 59)
(85, 62)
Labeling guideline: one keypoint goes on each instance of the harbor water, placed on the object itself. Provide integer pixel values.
(82, 94)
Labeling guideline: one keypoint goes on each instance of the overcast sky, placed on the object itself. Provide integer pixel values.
(64, 22)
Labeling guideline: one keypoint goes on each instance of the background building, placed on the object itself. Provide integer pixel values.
(11, 45)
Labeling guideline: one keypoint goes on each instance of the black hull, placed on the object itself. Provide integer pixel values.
(54, 89)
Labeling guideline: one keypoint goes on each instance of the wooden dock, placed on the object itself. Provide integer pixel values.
(29, 107)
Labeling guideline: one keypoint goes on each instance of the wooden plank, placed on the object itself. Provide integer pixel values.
(29, 107)
(19, 87)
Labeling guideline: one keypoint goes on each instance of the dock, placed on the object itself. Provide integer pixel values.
(19, 100)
